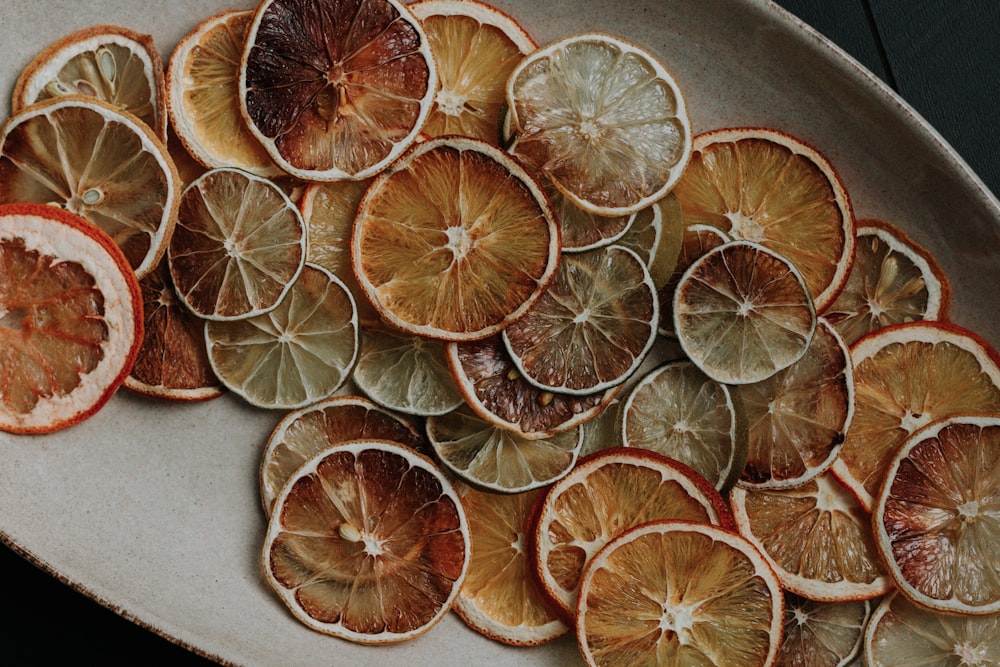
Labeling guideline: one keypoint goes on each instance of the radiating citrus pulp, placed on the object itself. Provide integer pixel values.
(367, 542)
(70, 318)
(822, 633)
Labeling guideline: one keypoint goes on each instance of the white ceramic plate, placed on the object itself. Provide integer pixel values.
(153, 508)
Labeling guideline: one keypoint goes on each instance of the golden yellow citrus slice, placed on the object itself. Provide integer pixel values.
(335, 89)
(455, 241)
(822, 633)
(70, 318)
(937, 516)
(678, 593)
(368, 542)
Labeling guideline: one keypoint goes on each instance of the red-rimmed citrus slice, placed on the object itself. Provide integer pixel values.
(905, 377)
(70, 318)
(335, 89)
(696, 241)
(368, 542)
(455, 241)
(765, 186)
(742, 313)
(937, 517)
(605, 494)
(822, 633)
(678, 593)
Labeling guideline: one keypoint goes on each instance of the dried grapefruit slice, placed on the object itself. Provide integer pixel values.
(335, 89)
(455, 241)
(822, 633)
(70, 318)
(678, 593)
(368, 542)
(937, 517)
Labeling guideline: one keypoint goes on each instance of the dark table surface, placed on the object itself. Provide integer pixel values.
(942, 56)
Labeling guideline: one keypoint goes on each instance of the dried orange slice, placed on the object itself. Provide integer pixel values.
(475, 47)
(96, 161)
(677, 593)
(764, 186)
(173, 360)
(742, 313)
(335, 89)
(892, 280)
(937, 517)
(304, 433)
(496, 459)
(822, 633)
(901, 634)
(108, 62)
(905, 377)
(798, 418)
(605, 494)
(238, 246)
(603, 119)
(592, 327)
(455, 241)
(368, 542)
(696, 241)
(70, 318)
(500, 597)
(816, 537)
(298, 353)
(203, 96)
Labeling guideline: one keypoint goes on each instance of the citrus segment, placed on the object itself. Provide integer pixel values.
(367, 542)
(822, 633)
(696, 241)
(675, 593)
(335, 88)
(455, 241)
(70, 318)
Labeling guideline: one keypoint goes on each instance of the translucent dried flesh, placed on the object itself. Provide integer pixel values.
(798, 417)
(336, 84)
(939, 517)
(821, 634)
(742, 314)
(759, 190)
(593, 325)
(679, 598)
(298, 353)
(368, 544)
(238, 245)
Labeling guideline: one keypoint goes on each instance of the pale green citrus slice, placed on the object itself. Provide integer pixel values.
(822, 633)
(655, 236)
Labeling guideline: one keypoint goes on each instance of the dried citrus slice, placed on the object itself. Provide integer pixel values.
(822, 633)
(108, 62)
(677, 593)
(405, 372)
(592, 327)
(203, 96)
(696, 241)
(173, 360)
(901, 634)
(937, 517)
(655, 236)
(680, 412)
(238, 245)
(764, 186)
(498, 459)
(602, 432)
(305, 432)
(605, 494)
(742, 313)
(455, 241)
(335, 88)
(603, 119)
(96, 161)
(475, 47)
(70, 318)
(298, 353)
(905, 377)
(816, 537)
(494, 388)
(892, 280)
(500, 597)
(368, 542)
(798, 418)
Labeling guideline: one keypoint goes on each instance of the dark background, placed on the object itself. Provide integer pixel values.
(942, 56)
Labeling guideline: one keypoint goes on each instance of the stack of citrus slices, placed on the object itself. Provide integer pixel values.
(547, 357)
